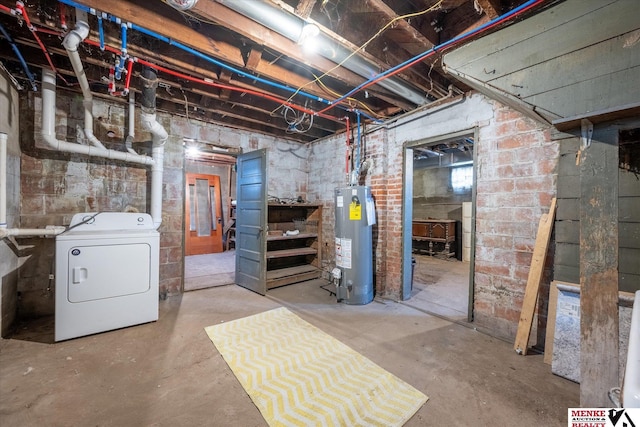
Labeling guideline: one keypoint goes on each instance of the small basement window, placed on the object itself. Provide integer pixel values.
(462, 178)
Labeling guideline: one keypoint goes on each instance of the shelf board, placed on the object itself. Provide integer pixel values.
(297, 236)
(291, 252)
(286, 276)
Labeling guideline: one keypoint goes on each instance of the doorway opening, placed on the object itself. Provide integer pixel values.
(439, 216)
(210, 177)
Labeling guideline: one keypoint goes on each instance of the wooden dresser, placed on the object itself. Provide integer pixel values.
(437, 235)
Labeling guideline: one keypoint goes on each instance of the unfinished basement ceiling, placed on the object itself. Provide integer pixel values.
(239, 63)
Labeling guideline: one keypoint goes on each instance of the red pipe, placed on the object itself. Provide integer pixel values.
(48, 31)
(20, 8)
(236, 89)
(217, 85)
(63, 16)
(346, 157)
(128, 80)
(6, 9)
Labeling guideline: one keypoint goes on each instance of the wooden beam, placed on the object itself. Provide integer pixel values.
(536, 271)
(228, 18)
(253, 61)
(145, 15)
(491, 8)
(225, 77)
(415, 43)
(599, 335)
(155, 16)
(304, 8)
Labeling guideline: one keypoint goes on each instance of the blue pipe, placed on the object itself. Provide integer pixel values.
(208, 58)
(438, 47)
(25, 67)
(199, 54)
(123, 52)
(101, 31)
(359, 142)
(373, 119)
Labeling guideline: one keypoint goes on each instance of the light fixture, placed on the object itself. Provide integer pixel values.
(309, 36)
(192, 151)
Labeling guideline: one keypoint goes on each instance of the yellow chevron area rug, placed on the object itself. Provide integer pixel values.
(298, 375)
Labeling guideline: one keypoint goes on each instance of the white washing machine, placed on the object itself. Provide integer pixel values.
(107, 272)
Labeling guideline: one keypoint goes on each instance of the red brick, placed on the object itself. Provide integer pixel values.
(492, 269)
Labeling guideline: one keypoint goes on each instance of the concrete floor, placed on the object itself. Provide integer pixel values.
(208, 270)
(168, 373)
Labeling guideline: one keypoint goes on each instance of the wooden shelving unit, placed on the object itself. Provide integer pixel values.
(293, 258)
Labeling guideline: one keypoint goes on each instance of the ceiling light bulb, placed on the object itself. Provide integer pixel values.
(309, 36)
(193, 151)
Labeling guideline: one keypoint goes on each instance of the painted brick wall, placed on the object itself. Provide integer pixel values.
(517, 167)
(517, 174)
(54, 186)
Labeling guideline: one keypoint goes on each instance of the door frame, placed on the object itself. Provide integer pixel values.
(407, 212)
(216, 248)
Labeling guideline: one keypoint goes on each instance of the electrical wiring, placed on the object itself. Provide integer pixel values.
(436, 49)
(380, 31)
(22, 12)
(357, 101)
(213, 84)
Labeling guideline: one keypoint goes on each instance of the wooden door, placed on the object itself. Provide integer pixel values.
(203, 215)
(251, 221)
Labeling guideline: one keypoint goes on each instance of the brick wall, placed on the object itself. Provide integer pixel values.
(328, 171)
(516, 166)
(516, 171)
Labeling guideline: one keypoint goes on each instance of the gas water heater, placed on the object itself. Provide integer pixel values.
(355, 216)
